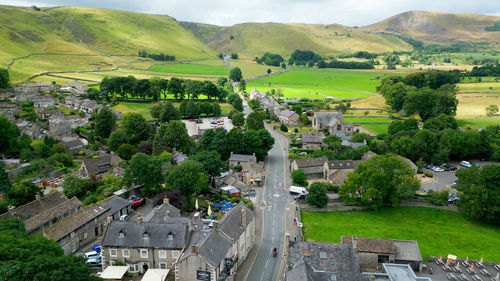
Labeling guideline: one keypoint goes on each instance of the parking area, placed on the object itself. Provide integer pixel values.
(194, 127)
(442, 180)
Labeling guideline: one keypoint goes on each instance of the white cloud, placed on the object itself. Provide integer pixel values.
(228, 12)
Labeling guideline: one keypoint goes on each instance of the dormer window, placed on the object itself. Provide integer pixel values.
(145, 235)
(170, 236)
(121, 234)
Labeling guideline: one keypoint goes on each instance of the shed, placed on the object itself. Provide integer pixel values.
(155, 275)
(114, 272)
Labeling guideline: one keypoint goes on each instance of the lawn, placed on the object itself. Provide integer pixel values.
(376, 128)
(367, 119)
(438, 232)
(320, 83)
(192, 69)
(136, 107)
(479, 122)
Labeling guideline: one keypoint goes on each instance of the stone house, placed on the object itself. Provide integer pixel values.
(98, 166)
(37, 87)
(333, 121)
(76, 121)
(241, 159)
(9, 109)
(47, 113)
(78, 229)
(73, 145)
(312, 141)
(289, 117)
(336, 171)
(59, 126)
(44, 102)
(24, 96)
(30, 129)
(118, 206)
(313, 167)
(80, 88)
(43, 211)
(372, 252)
(143, 245)
(178, 157)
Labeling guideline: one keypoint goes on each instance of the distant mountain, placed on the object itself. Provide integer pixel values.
(441, 28)
(254, 39)
(93, 31)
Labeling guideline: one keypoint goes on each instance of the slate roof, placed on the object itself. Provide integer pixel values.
(368, 155)
(35, 207)
(407, 250)
(341, 164)
(312, 138)
(98, 165)
(287, 113)
(230, 223)
(72, 143)
(74, 221)
(322, 262)
(134, 235)
(47, 215)
(241, 157)
(214, 247)
(179, 157)
(159, 213)
(116, 203)
(311, 162)
(371, 245)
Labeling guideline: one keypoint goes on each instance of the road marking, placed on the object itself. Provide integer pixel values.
(267, 262)
(276, 195)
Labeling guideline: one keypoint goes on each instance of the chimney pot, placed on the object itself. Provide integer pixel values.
(166, 201)
(195, 249)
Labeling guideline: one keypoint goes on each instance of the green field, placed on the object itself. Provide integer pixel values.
(321, 83)
(376, 128)
(479, 122)
(143, 108)
(438, 232)
(192, 69)
(367, 119)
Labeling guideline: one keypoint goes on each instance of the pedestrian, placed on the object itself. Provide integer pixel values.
(295, 220)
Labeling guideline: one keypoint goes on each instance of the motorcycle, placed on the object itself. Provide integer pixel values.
(275, 252)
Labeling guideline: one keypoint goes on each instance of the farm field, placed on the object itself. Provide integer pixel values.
(376, 128)
(367, 119)
(438, 232)
(472, 101)
(343, 84)
(252, 69)
(192, 69)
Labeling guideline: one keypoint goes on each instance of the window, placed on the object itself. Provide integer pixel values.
(383, 259)
(133, 267)
(163, 265)
(85, 235)
(170, 236)
(175, 254)
(144, 253)
(113, 253)
(72, 234)
(121, 234)
(339, 127)
(73, 247)
(162, 254)
(145, 235)
(126, 253)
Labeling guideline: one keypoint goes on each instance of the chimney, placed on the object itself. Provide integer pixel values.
(355, 243)
(139, 219)
(243, 218)
(165, 200)
(12, 210)
(37, 196)
(195, 249)
(215, 225)
(197, 220)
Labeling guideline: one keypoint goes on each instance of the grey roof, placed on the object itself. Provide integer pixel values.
(311, 162)
(47, 215)
(368, 155)
(407, 250)
(231, 223)
(179, 157)
(116, 203)
(241, 157)
(341, 164)
(370, 245)
(312, 138)
(158, 235)
(72, 143)
(409, 162)
(213, 249)
(402, 272)
(159, 213)
(98, 165)
(36, 206)
(328, 118)
(287, 113)
(322, 261)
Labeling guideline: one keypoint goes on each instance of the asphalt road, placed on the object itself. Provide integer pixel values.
(274, 200)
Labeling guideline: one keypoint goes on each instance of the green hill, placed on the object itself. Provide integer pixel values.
(254, 39)
(93, 33)
(440, 28)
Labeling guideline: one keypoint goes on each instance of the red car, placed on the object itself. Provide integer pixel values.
(137, 202)
(191, 120)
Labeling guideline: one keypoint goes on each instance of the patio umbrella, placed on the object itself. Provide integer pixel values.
(209, 212)
(196, 204)
(223, 202)
(216, 205)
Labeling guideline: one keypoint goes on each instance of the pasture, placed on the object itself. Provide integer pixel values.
(473, 98)
(192, 69)
(438, 232)
(376, 128)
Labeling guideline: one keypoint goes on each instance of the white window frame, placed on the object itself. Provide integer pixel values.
(72, 234)
(141, 251)
(126, 253)
(135, 267)
(175, 254)
(111, 253)
(162, 254)
(164, 264)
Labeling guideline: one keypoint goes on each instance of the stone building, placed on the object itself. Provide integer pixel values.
(313, 167)
(336, 171)
(289, 117)
(333, 122)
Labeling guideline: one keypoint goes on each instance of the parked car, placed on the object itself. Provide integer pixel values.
(448, 167)
(136, 202)
(97, 248)
(124, 217)
(465, 164)
(428, 166)
(453, 184)
(300, 197)
(199, 121)
(302, 153)
(437, 169)
(91, 254)
(213, 122)
(298, 190)
(94, 262)
(191, 120)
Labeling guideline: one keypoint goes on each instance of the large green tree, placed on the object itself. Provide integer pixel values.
(8, 136)
(105, 122)
(317, 195)
(5, 183)
(255, 121)
(172, 135)
(380, 180)
(175, 87)
(189, 177)
(75, 186)
(299, 177)
(238, 119)
(117, 138)
(235, 74)
(136, 127)
(169, 112)
(212, 163)
(22, 193)
(145, 169)
(4, 78)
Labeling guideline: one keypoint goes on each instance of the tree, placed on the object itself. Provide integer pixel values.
(175, 87)
(145, 169)
(305, 119)
(75, 186)
(105, 122)
(283, 128)
(258, 142)
(238, 119)
(491, 109)
(126, 151)
(334, 142)
(221, 81)
(36, 257)
(242, 86)
(441, 122)
(193, 88)
(117, 138)
(425, 145)
(268, 71)
(255, 121)
(317, 195)
(254, 104)
(4, 78)
(8, 135)
(235, 74)
(169, 112)
(480, 193)
(299, 177)
(395, 94)
(155, 87)
(5, 183)
(135, 127)
(188, 177)
(146, 148)
(209, 89)
(174, 135)
(237, 103)
(212, 164)
(380, 180)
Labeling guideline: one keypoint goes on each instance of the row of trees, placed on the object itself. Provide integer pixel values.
(159, 57)
(187, 109)
(4, 78)
(345, 64)
(155, 88)
(299, 57)
(270, 59)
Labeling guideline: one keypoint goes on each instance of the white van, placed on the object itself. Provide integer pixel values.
(298, 190)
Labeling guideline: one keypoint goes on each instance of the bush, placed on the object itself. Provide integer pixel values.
(283, 128)
(331, 187)
(299, 178)
(429, 175)
(238, 168)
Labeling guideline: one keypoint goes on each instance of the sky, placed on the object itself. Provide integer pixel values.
(229, 12)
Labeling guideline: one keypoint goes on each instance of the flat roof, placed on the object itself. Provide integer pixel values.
(114, 272)
(402, 272)
(154, 274)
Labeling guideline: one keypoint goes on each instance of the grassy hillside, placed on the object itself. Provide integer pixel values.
(443, 28)
(254, 39)
(91, 33)
(202, 31)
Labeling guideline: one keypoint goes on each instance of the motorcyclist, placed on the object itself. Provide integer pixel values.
(275, 251)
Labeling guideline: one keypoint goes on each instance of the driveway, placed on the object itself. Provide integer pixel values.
(443, 180)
